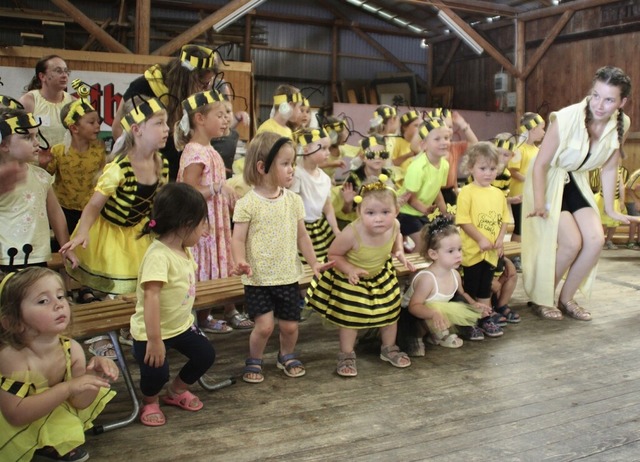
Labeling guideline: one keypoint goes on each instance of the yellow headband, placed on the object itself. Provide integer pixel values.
(305, 102)
(5, 280)
(77, 109)
(530, 125)
(504, 144)
(309, 136)
(409, 117)
(295, 98)
(201, 99)
(336, 126)
(191, 61)
(18, 124)
(8, 101)
(379, 185)
(439, 113)
(428, 126)
(142, 112)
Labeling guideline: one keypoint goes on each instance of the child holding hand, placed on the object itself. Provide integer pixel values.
(481, 214)
(165, 295)
(49, 395)
(268, 220)
(363, 290)
(202, 167)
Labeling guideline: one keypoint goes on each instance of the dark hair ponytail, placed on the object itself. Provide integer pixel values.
(41, 67)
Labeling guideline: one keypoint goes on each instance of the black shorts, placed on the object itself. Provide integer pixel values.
(477, 280)
(283, 300)
(572, 198)
(516, 210)
(410, 224)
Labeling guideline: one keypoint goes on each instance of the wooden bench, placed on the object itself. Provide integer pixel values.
(111, 315)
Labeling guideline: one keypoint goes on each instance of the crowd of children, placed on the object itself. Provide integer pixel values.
(123, 227)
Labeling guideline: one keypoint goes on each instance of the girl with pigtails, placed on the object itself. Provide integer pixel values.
(561, 224)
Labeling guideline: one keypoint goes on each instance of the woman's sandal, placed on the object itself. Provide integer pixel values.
(511, 316)
(447, 341)
(101, 346)
(239, 321)
(252, 372)
(149, 410)
(573, 310)
(347, 364)
(288, 363)
(184, 400)
(546, 312)
(393, 355)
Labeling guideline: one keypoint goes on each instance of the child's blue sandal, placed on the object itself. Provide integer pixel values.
(288, 363)
(507, 312)
(253, 366)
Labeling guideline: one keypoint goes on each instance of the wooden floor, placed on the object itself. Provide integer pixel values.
(546, 390)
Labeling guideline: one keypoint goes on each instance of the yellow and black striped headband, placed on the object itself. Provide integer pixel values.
(201, 99)
(78, 109)
(142, 112)
(409, 117)
(295, 98)
(306, 103)
(530, 125)
(504, 144)
(428, 126)
(9, 102)
(369, 142)
(19, 124)
(386, 112)
(198, 62)
(439, 113)
(309, 136)
(336, 126)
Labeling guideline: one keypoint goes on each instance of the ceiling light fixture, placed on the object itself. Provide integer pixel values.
(460, 32)
(373, 9)
(235, 15)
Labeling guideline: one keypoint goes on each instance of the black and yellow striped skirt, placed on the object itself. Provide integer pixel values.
(373, 302)
(321, 236)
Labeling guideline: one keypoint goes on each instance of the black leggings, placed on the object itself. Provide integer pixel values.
(193, 344)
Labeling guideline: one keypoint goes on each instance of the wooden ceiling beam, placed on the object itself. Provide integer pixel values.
(474, 6)
(143, 26)
(200, 28)
(548, 41)
(373, 43)
(488, 47)
(87, 23)
(576, 5)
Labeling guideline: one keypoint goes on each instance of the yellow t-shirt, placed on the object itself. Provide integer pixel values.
(486, 209)
(271, 245)
(270, 125)
(528, 153)
(76, 173)
(400, 148)
(425, 180)
(178, 273)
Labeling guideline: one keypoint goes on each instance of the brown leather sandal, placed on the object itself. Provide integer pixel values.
(572, 309)
(347, 364)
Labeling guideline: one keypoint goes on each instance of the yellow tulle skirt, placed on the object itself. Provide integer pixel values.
(457, 313)
(112, 258)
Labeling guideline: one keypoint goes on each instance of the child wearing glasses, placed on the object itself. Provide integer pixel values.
(374, 155)
(425, 176)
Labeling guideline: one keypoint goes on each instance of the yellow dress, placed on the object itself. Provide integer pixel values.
(63, 428)
(373, 302)
(111, 260)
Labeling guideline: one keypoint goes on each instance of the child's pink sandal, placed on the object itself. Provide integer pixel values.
(183, 400)
(149, 410)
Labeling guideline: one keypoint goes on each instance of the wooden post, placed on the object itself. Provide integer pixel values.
(143, 24)
(247, 38)
(521, 86)
(335, 37)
